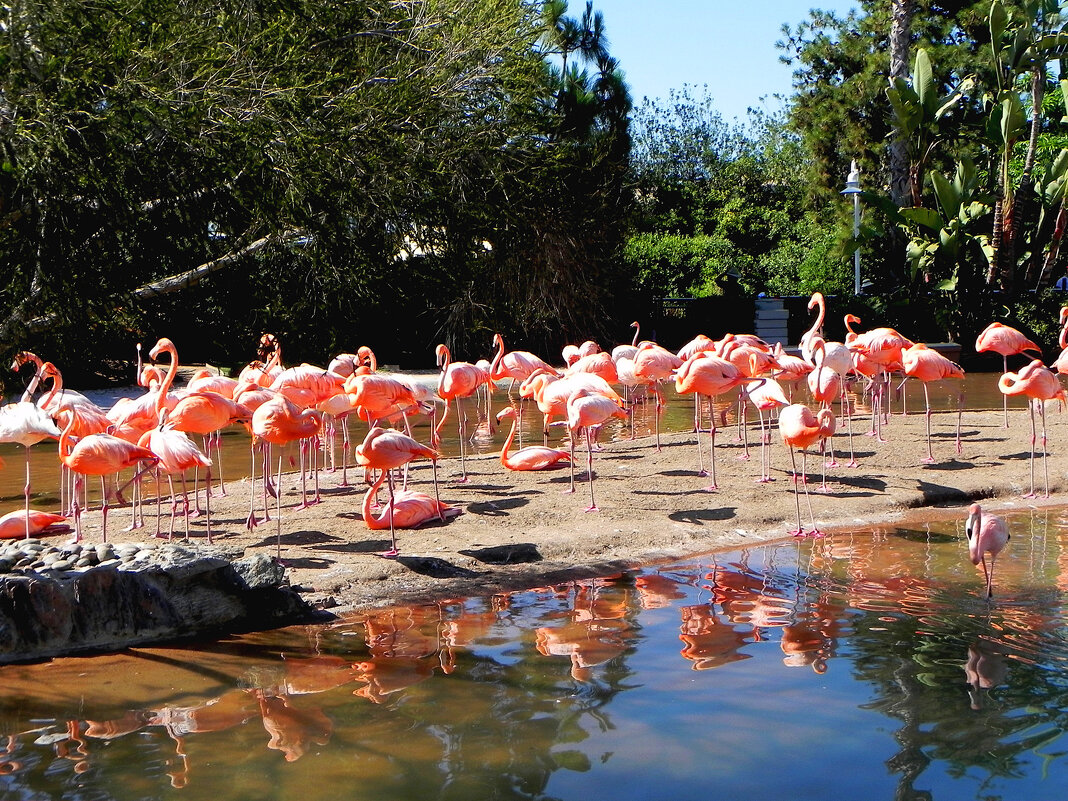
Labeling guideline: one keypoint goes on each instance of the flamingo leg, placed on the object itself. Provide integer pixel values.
(712, 446)
(1005, 398)
(589, 471)
(392, 552)
(929, 459)
(799, 531)
(26, 492)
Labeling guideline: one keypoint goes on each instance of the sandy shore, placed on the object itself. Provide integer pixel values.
(521, 530)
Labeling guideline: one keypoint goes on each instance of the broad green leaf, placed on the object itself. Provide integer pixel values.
(925, 218)
(1012, 119)
(947, 194)
(923, 81)
(999, 18)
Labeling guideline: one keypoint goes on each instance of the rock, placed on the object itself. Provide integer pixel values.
(159, 594)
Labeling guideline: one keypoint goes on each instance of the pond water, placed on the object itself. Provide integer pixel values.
(980, 393)
(863, 665)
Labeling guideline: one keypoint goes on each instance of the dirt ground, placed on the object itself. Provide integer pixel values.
(520, 530)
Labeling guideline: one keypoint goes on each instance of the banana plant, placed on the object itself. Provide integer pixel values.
(951, 232)
(918, 108)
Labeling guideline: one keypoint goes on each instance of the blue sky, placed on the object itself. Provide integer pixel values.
(727, 44)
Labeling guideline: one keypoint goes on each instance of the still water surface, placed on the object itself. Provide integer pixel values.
(865, 665)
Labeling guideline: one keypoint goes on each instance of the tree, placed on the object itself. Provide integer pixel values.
(224, 169)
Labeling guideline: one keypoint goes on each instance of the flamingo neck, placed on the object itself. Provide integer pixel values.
(499, 341)
(508, 441)
(375, 523)
(172, 372)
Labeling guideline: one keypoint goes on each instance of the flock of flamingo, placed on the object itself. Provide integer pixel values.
(302, 404)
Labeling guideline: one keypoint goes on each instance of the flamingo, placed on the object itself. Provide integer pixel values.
(652, 365)
(279, 421)
(927, 365)
(765, 396)
(707, 374)
(458, 380)
(1007, 341)
(407, 509)
(533, 457)
(177, 454)
(800, 428)
(1039, 384)
(384, 449)
(31, 523)
(99, 455)
(586, 409)
(987, 534)
(23, 422)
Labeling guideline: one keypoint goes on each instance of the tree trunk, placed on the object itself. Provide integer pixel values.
(901, 13)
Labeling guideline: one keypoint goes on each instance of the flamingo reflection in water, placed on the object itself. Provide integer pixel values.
(709, 641)
(596, 633)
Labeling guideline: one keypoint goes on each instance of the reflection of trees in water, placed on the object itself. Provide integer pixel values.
(503, 721)
(964, 693)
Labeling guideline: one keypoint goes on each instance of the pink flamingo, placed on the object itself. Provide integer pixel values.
(23, 422)
(652, 365)
(458, 380)
(384, 449)
(987, 534)
(99, 455)
(707, 374)
(586, 409)
(532, 457)
(1007, 341)
(927, 365)
(1039, 384)
(800, 428)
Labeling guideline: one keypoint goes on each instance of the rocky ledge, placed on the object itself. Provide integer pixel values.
(59, 600)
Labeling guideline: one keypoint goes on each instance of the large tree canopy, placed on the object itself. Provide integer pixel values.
(270, 164)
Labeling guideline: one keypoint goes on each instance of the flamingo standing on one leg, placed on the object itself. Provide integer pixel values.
(1039, 384)
(586, 409)
(766, 395)
(1007, 341)
(987, 534)
(800, 428)
(177, 453)
(384, 449)
(927, 365)
(23, 422)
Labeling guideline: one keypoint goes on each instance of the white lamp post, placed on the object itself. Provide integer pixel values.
(853, 188)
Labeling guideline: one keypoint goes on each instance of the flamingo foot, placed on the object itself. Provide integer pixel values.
(392, 553)
(744, 457)
(462, 480)
(1029, 495)
(817, 534)
(832, 463)
(853, 463)
(591, 509)
(799, 533)
(763, 479)
(568, 491)
(711, 488)
(702, 473)
(927, 460)
(252, 521)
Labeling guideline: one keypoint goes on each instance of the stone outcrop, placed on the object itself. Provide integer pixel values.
(61, 600)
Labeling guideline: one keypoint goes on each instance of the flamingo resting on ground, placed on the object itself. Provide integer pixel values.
(532, 457)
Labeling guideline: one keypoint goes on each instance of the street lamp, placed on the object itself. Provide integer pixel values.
(853, 188)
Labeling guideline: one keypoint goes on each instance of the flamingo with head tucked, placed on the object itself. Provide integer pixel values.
(1039, 384)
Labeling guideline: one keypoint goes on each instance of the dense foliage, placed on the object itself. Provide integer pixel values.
(338, 172)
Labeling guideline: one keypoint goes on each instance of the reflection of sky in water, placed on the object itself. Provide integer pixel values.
(838, 667)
